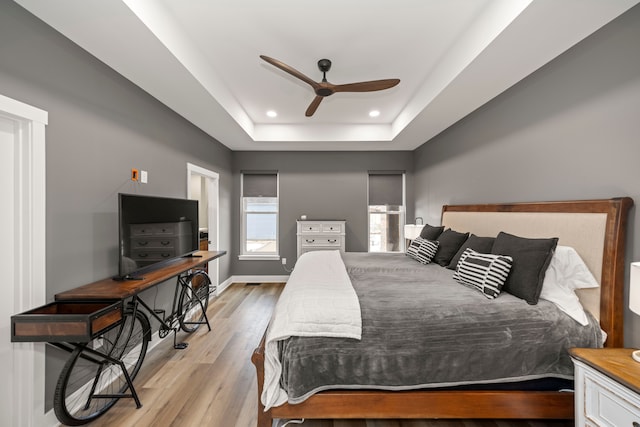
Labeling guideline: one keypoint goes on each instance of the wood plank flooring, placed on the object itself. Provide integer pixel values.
(212, 382)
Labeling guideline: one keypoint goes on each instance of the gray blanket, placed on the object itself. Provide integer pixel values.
(422, 329)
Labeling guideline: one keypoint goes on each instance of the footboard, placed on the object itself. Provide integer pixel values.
(419, 404)
(257, 358)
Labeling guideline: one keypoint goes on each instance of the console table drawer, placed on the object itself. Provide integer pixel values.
(66, 321)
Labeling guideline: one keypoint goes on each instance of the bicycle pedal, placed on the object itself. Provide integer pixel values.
(181, 345)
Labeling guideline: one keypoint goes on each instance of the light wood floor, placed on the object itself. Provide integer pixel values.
(212, 382)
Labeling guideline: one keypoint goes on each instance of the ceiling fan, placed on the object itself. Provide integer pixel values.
(324, 88)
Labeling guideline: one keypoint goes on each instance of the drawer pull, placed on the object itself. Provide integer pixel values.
(165, 255)
(165, 243)
(143, 243)
(143, 255)
(310, 241)
(332, 240)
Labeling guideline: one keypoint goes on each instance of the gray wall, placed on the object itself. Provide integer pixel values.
(100, 127)
(569, 131)
(321, 185)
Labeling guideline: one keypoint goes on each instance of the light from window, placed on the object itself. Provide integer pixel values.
(385, 228)
(259, 217)
(386, 211)
(261, 225)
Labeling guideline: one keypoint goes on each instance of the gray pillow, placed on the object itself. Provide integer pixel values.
(430, 232)
(531, 257)
(448, 244)
(478, 244)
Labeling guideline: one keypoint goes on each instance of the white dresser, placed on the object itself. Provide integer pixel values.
(320, 235)
(607, 387)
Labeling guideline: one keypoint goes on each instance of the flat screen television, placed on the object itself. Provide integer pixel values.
(154, 231)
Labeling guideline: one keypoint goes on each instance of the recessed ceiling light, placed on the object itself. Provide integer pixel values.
(272, 113)
(374, 113)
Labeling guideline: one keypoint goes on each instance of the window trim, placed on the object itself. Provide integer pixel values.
(402, 213)
(247, 256)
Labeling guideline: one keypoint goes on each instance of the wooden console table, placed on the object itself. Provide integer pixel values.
(107, 338)
(107, 289)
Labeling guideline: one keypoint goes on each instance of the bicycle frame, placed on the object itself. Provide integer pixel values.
(167, 323)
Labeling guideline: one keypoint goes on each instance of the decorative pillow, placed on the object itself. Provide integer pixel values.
(422, 250)
(449, 243)
(484, 272)
(531, 257)
(566, 273)
(478, 244)
(430, 232)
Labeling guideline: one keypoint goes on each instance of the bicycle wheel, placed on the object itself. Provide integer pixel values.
(86, 376)
(194, 300)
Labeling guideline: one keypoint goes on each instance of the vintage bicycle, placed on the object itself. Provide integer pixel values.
(100, 372)
(105, 327)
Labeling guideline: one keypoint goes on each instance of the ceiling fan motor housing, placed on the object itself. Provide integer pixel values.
(324, 65)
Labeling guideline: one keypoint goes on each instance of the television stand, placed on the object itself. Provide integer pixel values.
(107, 289)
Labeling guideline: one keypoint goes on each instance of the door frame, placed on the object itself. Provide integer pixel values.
(28, 374)
(213, 198)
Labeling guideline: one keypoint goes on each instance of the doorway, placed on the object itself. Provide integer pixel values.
(203, 185)
(22, 257)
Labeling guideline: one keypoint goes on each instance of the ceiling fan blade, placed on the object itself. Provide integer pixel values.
(313, 106)
(366, 86)
(284, 67)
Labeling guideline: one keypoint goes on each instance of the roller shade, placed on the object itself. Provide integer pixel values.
(385, 188)
(259, 185)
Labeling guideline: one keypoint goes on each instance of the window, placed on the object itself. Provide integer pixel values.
(259, 223)
(386, 211)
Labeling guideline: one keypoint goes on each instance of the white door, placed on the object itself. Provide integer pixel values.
(22, 258)
(204, 186)
(7, 262)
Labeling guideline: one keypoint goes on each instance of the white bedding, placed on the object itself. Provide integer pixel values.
(318, 301)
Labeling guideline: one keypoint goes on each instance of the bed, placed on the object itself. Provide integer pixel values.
(595, 229)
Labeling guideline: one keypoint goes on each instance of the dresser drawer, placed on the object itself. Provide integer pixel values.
(330, 241)
(332, 228)
(310, 227)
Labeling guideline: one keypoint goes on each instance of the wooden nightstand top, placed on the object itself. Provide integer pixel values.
(615, 363)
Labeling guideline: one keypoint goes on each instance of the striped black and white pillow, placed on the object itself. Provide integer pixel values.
(484, 272)
(422, 250)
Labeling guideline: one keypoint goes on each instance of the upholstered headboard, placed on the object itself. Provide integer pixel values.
(596, 229)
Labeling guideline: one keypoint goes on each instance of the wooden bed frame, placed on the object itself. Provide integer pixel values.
(425, 404)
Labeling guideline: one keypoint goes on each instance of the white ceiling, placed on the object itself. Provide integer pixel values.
(201, 59)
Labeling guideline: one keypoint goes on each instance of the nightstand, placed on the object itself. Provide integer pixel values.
(607, 387)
